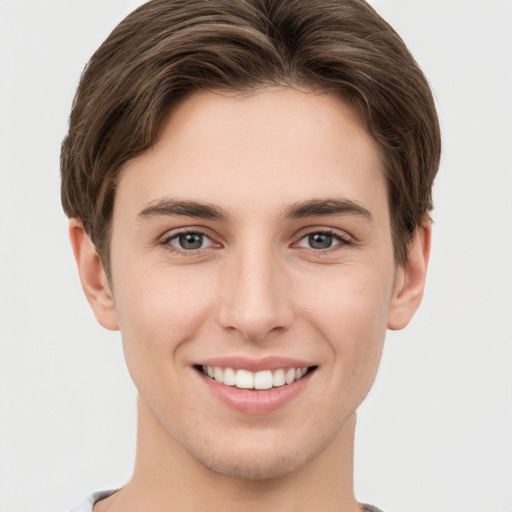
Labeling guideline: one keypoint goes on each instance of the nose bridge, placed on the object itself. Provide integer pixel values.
(254, 301)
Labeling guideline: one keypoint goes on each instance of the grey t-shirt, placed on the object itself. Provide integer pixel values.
(87, 505)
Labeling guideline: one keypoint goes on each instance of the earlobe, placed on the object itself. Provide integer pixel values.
(410, 279)
(92, 276)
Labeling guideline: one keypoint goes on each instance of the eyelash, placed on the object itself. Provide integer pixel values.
(343, 240)
(165, 241)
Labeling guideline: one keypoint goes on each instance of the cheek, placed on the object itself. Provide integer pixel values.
(348, 293)
(350, 312)
(157, 311)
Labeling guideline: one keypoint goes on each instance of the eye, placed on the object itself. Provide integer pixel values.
(188, 241)
(322, 240)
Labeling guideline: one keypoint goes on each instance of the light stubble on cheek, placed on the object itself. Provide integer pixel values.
(351, 318)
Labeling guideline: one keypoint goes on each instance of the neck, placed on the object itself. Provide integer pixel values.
(165, 474)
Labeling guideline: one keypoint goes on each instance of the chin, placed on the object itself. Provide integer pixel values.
(265, 459)
(261, 468)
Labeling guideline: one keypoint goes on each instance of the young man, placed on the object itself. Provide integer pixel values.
(249, 187)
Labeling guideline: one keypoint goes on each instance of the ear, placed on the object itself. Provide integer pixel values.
(92, 276)
(410, 279)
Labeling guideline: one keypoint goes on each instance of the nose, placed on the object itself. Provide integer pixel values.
(255, 300)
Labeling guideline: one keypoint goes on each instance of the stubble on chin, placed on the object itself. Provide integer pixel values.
(257, 464)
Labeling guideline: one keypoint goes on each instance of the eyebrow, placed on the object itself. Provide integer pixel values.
(310, 208)
(172, 207)
(321, 207)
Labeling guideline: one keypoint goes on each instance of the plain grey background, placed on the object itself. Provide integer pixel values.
(434, 434)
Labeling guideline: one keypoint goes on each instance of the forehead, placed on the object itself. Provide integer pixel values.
(273, 146)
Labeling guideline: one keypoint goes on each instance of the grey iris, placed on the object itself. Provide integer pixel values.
(320, 241)
(191, 241)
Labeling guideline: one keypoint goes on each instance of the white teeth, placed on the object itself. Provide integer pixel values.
(218, 374)
(278, 378)
(263, 380)
(290, 376)
(229, 377)
(245, 379)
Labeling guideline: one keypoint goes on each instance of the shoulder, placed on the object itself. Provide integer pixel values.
(370, 508)
(88, 503)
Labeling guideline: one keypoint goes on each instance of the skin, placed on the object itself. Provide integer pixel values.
(255, 288)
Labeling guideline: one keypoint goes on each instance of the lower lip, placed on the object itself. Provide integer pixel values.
(256, 401)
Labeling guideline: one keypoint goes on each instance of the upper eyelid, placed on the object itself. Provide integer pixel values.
(339, 233)
(172, 233)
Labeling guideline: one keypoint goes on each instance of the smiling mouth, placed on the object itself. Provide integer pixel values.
(245, 379)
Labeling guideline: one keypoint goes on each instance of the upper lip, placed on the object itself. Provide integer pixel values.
(255, 365)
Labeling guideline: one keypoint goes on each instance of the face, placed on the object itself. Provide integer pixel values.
(251, 248)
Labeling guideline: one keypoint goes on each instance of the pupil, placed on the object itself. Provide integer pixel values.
(320, 241)
(191, 241)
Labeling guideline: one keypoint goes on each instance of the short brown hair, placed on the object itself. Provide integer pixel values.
(167, 49)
